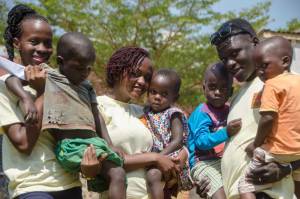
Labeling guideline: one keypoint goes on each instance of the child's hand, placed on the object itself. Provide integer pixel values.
(203, 186)
(36, 77)
(234, 126)
(119, 151)
(28, 108)
(249, 149)
(179, 163)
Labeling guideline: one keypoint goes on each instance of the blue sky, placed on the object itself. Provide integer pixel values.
(281, 11)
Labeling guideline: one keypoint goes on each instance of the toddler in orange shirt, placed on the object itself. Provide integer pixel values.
(278, 133)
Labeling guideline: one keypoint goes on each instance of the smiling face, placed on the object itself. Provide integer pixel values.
(161, 94)
(35, 42)
(133, 85)
(236, 53)
(217, 89)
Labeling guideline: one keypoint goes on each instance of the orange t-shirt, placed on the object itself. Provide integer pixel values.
(282, 95)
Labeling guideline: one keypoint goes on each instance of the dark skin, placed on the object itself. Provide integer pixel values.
(76, 68)
(132, 87)
(161, 95)
(34, 45)
(217, 90)
(272, 57)
(237, 52)
(23, 136)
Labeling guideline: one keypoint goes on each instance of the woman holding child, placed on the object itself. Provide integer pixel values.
(29, 161)
(129, 72)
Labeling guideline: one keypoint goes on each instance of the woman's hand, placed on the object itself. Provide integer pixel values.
(166, 166)
(203, 187)
(181, 159)
(234, 126)
(36, 77)
(90, 164)
(268, 173)
(118, 150)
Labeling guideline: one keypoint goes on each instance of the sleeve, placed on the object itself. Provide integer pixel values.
(9, 111)
(204, 139)
(5, 77)
(102, 110)
(270, 99)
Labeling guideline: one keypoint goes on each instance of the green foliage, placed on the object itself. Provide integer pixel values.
(3, 16)
(172, 30)
(292, 26)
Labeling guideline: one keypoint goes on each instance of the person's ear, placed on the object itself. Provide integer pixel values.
(286, 62)
(16, 43)
(59, 60)
(255, 41)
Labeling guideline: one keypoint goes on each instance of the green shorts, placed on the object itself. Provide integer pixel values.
(69, 153)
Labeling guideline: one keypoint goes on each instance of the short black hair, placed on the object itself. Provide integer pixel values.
(278, 46)
(233, 27)
(219, 70)
(172, 75)
(75, 44)
(15, 17)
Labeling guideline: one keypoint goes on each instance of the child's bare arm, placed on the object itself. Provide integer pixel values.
(177, 134)
(23, 136)
(14, 84)
(264, 127)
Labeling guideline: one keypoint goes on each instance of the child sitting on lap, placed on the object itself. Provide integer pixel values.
(208, 130)
(71, 115)
(278, 133)
(168, 125)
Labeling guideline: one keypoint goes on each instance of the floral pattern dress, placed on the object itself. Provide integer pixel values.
(160, 126)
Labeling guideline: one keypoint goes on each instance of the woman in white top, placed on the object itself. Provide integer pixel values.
(129, 72)
(28, 158)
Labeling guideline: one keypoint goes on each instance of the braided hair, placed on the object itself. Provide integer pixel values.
(13, 30)
(124, 61)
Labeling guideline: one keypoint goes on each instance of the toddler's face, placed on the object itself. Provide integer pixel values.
(76, 70)
(161, 94)
(268, 64)
(217, 90)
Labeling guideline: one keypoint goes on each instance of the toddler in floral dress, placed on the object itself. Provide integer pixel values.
(169, 128)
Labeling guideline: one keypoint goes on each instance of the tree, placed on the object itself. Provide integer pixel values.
(3, 16)
(292, 26)
(172, 30)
